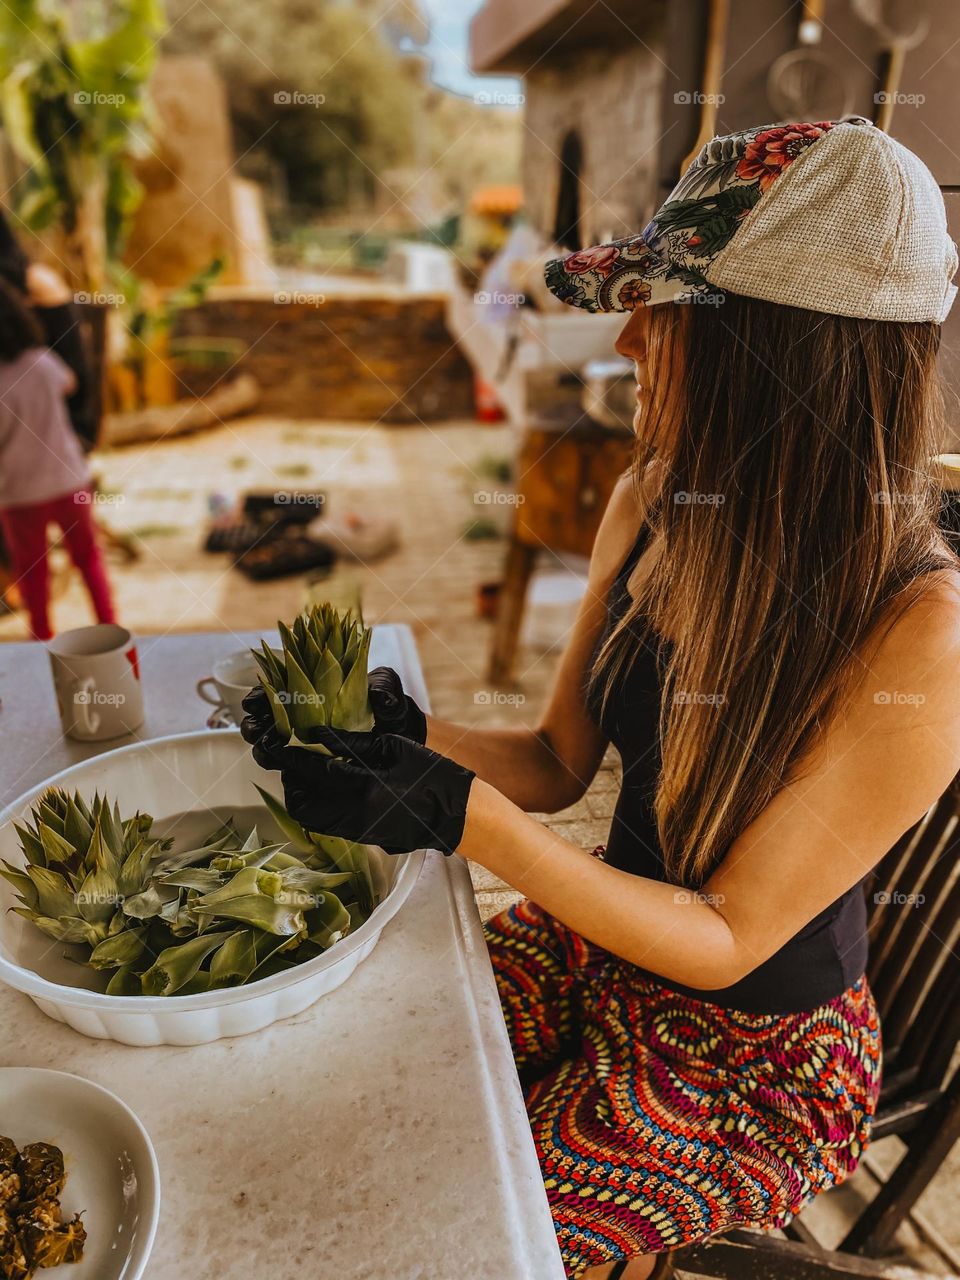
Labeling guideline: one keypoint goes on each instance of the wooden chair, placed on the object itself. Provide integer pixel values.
(913, 903)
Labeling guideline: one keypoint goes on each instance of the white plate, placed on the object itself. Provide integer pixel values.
(112, 1173)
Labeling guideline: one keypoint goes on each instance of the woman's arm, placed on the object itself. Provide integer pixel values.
(891, 755)
(549, 767)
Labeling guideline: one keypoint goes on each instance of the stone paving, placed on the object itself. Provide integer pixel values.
(427, 479)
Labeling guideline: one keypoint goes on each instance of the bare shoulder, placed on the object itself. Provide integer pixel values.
(922, 641)
(45, 286)
(905, 709)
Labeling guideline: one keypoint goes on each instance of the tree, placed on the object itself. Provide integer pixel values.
(317, 85)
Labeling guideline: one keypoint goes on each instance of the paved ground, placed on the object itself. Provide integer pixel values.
(428, 480)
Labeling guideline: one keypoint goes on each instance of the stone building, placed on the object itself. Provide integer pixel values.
(613, 96)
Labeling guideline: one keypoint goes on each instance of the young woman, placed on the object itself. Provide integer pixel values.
(770, 638)
(44, 476)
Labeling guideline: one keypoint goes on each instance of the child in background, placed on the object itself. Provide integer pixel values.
(44, 477)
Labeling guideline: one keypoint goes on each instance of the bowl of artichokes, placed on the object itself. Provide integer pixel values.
(160, 893)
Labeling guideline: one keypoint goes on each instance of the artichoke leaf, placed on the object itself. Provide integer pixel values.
(124, 983)
(235, 961)
(289, 827)
(24, 886)
(149, 903)
(31, 844)
(121, 951)
(175, 966)
(54, 895)
(55, 847)
(283, 919)
(328, 921)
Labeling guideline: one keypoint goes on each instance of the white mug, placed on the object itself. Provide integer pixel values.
(96, 676)
(234, 675)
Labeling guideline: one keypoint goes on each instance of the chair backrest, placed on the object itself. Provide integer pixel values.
(913, 906)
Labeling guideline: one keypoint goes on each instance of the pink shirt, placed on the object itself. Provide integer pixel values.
(40, 455)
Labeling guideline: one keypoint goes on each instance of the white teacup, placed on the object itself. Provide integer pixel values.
(96, 675)
(234, 675)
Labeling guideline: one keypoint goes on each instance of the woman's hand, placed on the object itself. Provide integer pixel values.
(393, 710)
(378, 788)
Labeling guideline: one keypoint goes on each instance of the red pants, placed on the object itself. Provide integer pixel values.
(25, 533)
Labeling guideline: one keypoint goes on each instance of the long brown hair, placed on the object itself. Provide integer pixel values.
(797, 512)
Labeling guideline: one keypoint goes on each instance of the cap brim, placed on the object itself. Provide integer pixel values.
(618, 276)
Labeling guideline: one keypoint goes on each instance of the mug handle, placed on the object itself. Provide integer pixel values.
(83, 692)
(201, 690)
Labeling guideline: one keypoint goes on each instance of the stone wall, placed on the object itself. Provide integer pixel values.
(613, 99)
(387, 358)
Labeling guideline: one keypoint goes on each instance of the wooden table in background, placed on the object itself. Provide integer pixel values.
(565, 476)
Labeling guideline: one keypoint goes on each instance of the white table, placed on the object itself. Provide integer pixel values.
(381, 1134)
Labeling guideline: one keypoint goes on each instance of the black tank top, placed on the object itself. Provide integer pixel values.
(826, 957)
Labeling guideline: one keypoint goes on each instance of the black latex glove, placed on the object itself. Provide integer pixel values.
(258, 728)
(393, 710)
(378, 788)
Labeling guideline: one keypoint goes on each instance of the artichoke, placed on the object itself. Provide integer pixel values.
(84, 865)
(163, 922)
(319, 678)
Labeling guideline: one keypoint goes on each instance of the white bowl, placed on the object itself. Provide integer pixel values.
(112, 1174)
(165, 777)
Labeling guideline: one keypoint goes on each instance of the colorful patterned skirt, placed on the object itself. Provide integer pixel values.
(660, 1120)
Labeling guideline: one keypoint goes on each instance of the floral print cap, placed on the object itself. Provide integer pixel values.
(669, 260)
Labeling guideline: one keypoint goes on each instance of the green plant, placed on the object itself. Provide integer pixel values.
(320, 675)
(73, 107)
(164, 922)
